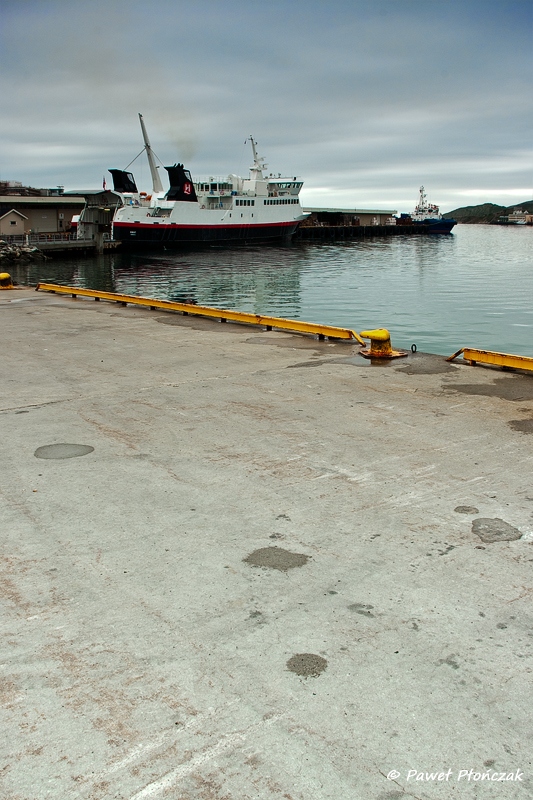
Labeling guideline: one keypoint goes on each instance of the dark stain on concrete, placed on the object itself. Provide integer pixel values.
(393, 796)
(494, 530)
(276, 558)
(449, 548)
(449, 660)
(521, 425)
(512, 387)
(297, 341)
(426, 364)
(361, 608)
(466, 510)
(63, 450)
(310, 364)
(308, 665)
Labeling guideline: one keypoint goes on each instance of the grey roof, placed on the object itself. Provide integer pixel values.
(55, 200)
(13, 211)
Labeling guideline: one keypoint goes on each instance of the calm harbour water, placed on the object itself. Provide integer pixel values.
(471, 288)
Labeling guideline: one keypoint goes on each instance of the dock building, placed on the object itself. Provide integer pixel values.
(25, 209)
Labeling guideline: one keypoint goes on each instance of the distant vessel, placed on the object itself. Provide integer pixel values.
(429, 215)
(215, 210)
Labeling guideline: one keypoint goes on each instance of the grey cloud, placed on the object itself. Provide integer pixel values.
(364, 100)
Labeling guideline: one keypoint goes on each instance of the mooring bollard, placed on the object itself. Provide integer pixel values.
(380, 345)
(5, 281)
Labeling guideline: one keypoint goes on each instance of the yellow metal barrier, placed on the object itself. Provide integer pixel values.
(473, 355)
(223, 314)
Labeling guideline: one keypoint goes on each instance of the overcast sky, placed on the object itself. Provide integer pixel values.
(365, 101)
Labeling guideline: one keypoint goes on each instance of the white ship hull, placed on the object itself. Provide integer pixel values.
(189, 223)
(259, 208)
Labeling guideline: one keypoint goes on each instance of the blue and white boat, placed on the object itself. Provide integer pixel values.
(429, 215)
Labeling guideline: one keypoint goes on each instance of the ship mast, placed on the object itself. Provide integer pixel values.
(256, 170)
(156, 180)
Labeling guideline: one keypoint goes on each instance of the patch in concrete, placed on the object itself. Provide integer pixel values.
(276, 558)
(494, 530)
(361, 608)
(63, 450)
(308, 665)
(521, 425)
(466, 510)
(514, 388)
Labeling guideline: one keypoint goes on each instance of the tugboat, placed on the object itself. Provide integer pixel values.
(227, 210)
(429, 215)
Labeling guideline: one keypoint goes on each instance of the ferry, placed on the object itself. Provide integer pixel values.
(227, 210)
(429, 215)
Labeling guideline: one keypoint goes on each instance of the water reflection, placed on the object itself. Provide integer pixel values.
(257, 281)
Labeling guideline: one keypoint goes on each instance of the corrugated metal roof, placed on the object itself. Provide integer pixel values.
(348, 211)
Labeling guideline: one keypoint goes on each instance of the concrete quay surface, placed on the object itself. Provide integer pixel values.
(246, 564)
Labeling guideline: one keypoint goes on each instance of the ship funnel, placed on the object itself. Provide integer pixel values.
(181, 185)
(123, 181)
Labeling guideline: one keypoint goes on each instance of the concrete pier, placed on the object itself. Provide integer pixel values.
(248, 564)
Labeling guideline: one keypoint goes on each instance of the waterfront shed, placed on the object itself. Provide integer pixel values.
(13, 223)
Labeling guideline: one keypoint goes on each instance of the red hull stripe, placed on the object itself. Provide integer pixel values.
(178, 226)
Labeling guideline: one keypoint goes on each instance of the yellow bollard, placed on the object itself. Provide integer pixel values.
(380, 345)
(5, 281)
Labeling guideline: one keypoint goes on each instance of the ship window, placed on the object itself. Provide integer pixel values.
(253, 202)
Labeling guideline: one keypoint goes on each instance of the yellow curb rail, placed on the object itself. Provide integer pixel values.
(223, 314)
(505, 360)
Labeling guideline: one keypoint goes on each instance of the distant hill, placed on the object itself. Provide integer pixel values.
(487, 212)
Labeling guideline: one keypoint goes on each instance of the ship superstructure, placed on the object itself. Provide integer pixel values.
(214, 209)
(429, 215)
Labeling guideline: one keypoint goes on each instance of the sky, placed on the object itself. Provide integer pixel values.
(365, 101)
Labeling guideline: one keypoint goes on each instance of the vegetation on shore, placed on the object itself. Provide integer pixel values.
(487, 212)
